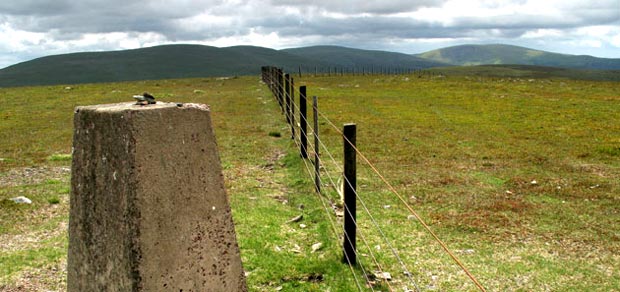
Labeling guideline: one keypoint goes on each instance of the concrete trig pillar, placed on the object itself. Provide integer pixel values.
(149, 210)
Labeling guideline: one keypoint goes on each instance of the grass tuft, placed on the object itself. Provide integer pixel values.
(59, 157)
(275, 134)
(611, 151)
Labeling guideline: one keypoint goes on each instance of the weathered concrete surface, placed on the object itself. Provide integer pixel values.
(149, 210)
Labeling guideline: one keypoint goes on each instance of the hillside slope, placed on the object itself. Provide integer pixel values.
(506, 54)
(161, 62)
(185, 61)
(349, 57)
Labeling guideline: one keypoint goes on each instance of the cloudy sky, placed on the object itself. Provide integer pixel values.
(35, 28)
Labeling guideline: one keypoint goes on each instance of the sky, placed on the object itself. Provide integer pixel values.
(34, 28)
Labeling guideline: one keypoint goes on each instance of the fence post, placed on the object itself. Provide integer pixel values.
(303, 122)
(280, 88)
(291, 88)
(315, 112)
(272, 82)
(287, 98)
(270, 79)
(350, 182)
(299, 71)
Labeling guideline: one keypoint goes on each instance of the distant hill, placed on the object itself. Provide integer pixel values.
(185, 61)
(160, 62)
(348, 58)
(505, 54)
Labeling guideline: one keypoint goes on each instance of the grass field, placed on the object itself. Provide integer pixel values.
(518, 177)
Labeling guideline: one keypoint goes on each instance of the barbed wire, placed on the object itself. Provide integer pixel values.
(322, 200)
(334, 229)
(290, 102)
(299, 145)
(335, 187)
(411, 210)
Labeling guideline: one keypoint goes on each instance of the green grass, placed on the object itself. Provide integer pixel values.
(462, 151)
(525, 73)
(469, 151)
(59, 157)
(52, 250)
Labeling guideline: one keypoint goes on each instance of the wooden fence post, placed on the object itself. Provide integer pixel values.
(303, 122)
(315, 112)
(350, 182)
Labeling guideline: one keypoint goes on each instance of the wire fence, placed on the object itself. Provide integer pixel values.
(361, 70)
(334, 188)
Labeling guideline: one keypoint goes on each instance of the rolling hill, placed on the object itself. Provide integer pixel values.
(506, 54)
(160, 62)
(186, 61)
(348, 57)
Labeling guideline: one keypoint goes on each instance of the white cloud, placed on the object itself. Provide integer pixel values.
(601, 31)
(542, 33)
(590, 43)
(14, 40)
(251, 39)
(615, 40)
(597, 36)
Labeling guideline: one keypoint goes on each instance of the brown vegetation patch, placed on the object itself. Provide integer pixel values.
(512, 204)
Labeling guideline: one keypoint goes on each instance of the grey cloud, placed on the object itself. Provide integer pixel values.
(389, 26)
(370, 23)
(93, 16)
(380, 27)
(569, 19)
(35, 7)
(66, 18)
(355, 7)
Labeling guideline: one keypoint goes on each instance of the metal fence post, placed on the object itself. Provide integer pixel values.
(292, 108)
(317, 179)
(350, 183)
(280, 81)
(303, 122)
(287, 98)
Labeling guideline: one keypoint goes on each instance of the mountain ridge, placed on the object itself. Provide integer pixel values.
(501, 54)
(186, 61)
